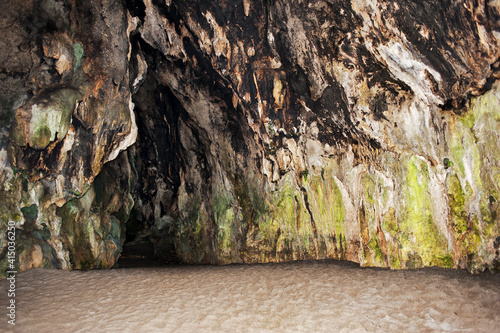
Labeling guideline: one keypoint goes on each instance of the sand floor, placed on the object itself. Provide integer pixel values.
(297, 297)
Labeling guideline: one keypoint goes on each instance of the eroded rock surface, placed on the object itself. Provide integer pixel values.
(261, 131)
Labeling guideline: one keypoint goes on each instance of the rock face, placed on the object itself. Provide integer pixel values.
(252, 131)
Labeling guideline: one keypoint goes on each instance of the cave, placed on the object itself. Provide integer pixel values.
(157, 160)
(233, 145)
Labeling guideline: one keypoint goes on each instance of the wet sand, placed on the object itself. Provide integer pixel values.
(313, 296)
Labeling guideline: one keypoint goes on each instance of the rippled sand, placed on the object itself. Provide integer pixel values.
(297, 297)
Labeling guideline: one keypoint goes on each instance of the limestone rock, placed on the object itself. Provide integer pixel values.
(255, 131)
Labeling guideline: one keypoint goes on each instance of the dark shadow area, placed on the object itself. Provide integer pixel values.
(141, 253)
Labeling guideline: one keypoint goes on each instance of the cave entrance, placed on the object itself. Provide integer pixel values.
(150, 230)
(138, 253)
(139, 247)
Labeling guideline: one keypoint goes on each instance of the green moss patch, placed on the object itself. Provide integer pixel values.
(423, 235)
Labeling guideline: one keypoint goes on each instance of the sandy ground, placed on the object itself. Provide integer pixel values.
(297, 297)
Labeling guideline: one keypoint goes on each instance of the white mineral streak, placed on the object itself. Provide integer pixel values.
(415, 120)
(246, 7)
(160, 33)
(314, 153)
(270, 40)
(370, 12)
(64, 63)
(133, 22)
(142, 66)
(296, 154)
(485, 37)
(54, 223)
(306, 54)
(59, 197)
(403, 63)
(60, 252)
(469, 179)
(69, 140)
(203, 37)
(129, 139)
(283, 158)
(351, 219)
(259, 100)
(275, 63)
(304, 106)
(439, 200)
(94, 245)
(405, 66)
(251, 51)
(5, 167)
(387, 198)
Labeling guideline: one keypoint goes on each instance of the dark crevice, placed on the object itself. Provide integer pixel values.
(158, 161)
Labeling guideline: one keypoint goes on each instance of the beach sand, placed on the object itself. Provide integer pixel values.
(312, 296)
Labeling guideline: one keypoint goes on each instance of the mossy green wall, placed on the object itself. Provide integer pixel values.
(406, 210)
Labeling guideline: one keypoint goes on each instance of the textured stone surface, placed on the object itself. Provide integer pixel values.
(68, 62)
(264, 131)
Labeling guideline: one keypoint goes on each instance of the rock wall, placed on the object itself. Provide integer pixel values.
(258, 131)
(66, 98)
